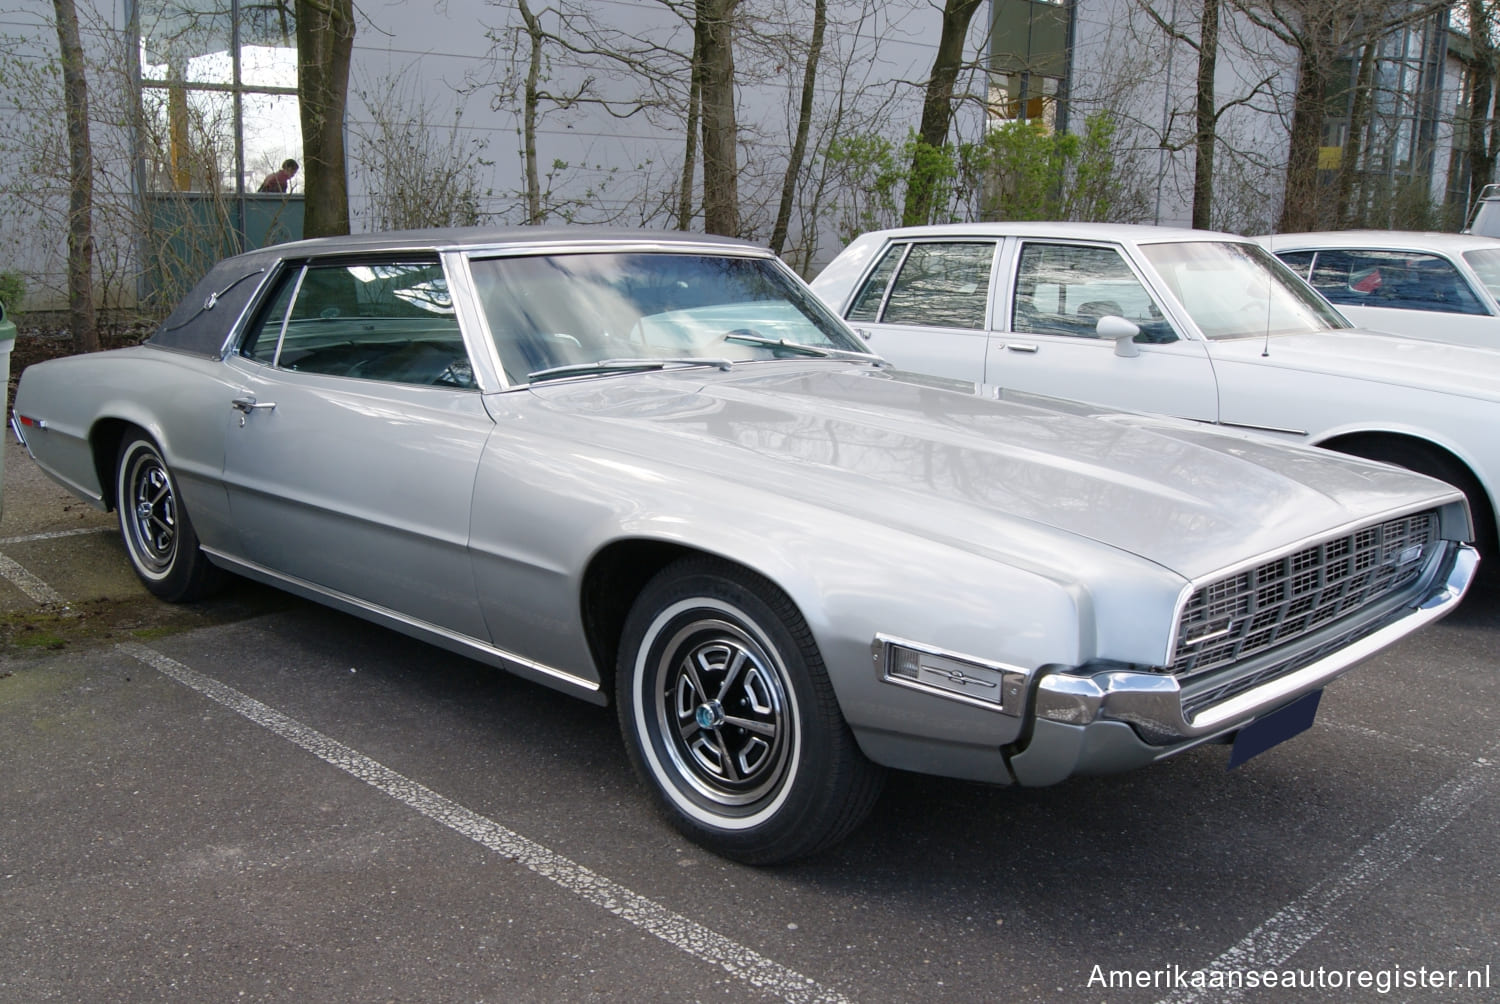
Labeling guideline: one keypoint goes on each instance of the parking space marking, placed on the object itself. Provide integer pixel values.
(1280, 937)
(1387, 739)
(676, 930)
(35, 588)
(27, 538)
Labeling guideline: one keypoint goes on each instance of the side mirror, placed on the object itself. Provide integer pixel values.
(1122, 331)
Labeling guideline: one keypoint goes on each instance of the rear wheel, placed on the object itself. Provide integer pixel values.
(158, 535)
(728, 715)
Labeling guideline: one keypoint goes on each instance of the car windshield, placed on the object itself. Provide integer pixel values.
(1233, 290)
(589, 313)
(1486, 265)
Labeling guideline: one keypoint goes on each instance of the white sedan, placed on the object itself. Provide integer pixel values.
(1190, 323)
(1441, 287)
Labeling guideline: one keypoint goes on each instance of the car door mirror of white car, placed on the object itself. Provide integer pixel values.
(1122, 331)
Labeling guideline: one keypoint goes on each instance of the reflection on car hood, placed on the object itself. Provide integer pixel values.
(915, 454)
(1367, 355)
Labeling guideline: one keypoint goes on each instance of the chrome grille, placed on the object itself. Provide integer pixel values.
(1251, 612)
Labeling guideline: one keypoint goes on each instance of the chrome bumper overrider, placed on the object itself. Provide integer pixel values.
(1150, 705)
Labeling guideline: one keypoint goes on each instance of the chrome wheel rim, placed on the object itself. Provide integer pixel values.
(150, 513)
(721, 708)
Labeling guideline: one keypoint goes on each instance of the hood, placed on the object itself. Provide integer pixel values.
(983, 473)
(1366, 355)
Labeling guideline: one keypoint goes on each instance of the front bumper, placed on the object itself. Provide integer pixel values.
(1117, 720)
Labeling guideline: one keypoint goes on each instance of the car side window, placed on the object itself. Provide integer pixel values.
(1297, 261)
(871, 296)
(264, 335)
(1063, 289)
(373, 320)
(942, 285)
(1403, 280)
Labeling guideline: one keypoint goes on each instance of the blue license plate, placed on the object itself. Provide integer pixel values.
(1277, 727)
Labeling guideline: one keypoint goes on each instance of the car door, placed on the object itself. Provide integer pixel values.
(355, 437)
(925, 306)
(1056, 294)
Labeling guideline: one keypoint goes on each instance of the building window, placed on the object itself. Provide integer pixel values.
(218, 93)
(1029, 61)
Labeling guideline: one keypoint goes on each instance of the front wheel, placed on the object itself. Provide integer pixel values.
(728, 714)
(158, 535)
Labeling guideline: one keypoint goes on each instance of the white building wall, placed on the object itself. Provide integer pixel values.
(450, 67)
(1124, 63)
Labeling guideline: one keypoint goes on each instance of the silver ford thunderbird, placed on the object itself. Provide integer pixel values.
(656, 468)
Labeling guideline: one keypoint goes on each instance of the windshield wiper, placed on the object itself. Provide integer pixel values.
(625, 366)
(801, 349)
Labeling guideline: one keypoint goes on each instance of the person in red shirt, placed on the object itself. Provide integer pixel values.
(280, 181)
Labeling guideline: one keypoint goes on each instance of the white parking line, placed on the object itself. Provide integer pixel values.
(651, 917)
(29, 584)
(26, 538)
(1407, 743)
(1285, 933)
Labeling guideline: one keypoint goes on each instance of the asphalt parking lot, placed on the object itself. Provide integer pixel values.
(258, 799)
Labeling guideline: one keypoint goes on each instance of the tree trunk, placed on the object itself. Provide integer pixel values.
(1359, 117)
(1299, 207)
(690, 147)
(1207, 112)
(81, 320)
(937, 110)
(804, 126)
(531, 100)
(1481, 98)
(325, 42)
(721, 201)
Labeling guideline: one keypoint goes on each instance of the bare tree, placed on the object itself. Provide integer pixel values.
(1202, 38)
(325, 45)
(1481, 124)
(1359, 116)
(81, 319)
(804, 126)
(1318, 33)
(713, 31)
(937, 109)
(536, 38)
(414, 173)
(560, 59)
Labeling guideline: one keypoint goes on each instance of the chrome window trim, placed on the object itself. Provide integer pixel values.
(890, 284)
(513, 249)
(484, 357)
(286, 319)
(237, 329)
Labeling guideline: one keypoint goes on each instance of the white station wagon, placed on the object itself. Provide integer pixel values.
(1190, 323)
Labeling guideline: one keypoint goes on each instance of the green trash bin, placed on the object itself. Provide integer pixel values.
(7, 342)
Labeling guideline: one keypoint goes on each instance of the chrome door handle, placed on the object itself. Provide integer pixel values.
(245, 405)
(1021, 347)
(249, 404)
